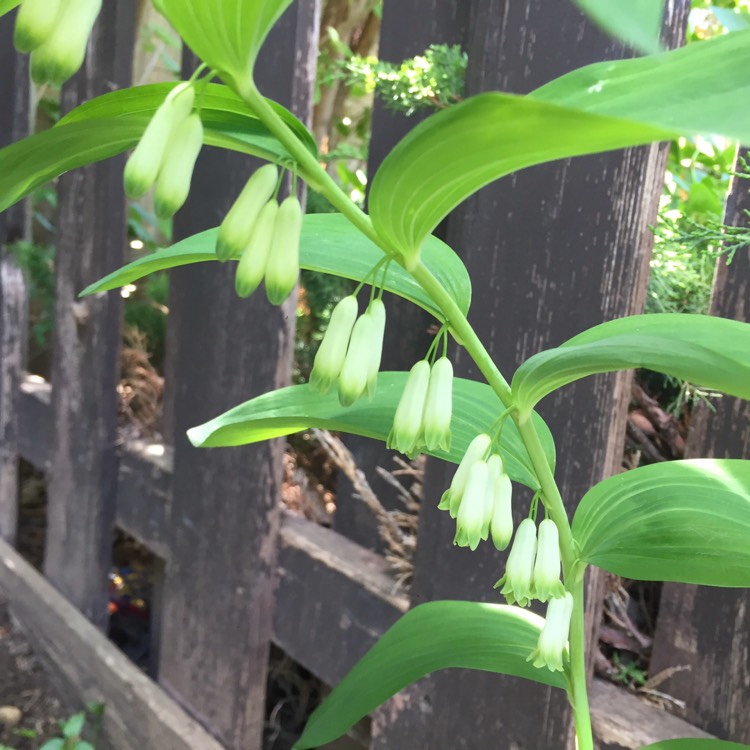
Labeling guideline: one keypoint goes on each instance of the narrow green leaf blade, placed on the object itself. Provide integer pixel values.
(7, 5)
(329, 244)
(475, 409)
(114, 122)
(702, 349)
(433, 636)
(637, 22)
(696, 744)
(686, 521)
(601, 107)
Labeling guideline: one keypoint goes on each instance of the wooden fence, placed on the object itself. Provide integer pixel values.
(553, 250)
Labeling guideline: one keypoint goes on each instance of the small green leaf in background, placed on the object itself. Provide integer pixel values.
(598, 108)
(54, 744)
(635, 22)
(113, 123)
(74, 725)
(702, 349)
(684, 521)
(7, 5)
(696, 744)
(329, 244)
(438, 635)
(225, 34)
(476, 408)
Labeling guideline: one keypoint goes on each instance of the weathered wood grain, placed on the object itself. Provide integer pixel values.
(708, 629)
(91, 237)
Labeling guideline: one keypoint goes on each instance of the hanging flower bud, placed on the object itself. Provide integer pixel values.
(407, 423)
(438, 408)
(330, 357)
(477, 449)
(62, 53)
(376, 310)
(235, 230)
(547, 583)
(355, 372)
(501, 525)
(517, 583)
(146, 160)
(252, 265)
(282, 269)
(472, 513)
(35, 22)
(551, 647)
(495, 467)
(176, 173)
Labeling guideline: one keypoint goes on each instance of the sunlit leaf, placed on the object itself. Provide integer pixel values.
(433, 636)
(7, 5)
(598, 108)
(702, 349)
(636, 22)
(114, 122)
(475, 409)
(686, 521)
(329, 244)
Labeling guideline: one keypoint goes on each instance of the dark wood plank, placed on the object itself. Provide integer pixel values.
(552, 250)
(408, 28)
(708, 629)
(220, 580)
(138, 714)
(91, 237)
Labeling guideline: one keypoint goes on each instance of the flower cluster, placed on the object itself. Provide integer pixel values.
(479, 497)
(424, 412)
(56, 33)
(166, 154)
(351, 351)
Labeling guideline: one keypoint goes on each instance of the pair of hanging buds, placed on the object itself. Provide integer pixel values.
(425, 409)
(351, 351)
(56, 32)
(166, 154)
(479, 497)
(264, 235)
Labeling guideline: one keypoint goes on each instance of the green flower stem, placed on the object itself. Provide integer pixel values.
(311, 170)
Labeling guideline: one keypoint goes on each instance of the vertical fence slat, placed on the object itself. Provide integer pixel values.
(90, 240)
(552, 250)
(704, 628)
(220, 579)
(14, 93)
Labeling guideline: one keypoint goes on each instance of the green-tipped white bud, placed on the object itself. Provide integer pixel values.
(252, 265)
(495, 466)
(235, 230)
(551, 647)
(438, 408)
(282, 269)
(518, 582)
(477, 449)
(472, 514)
(35, 22)
(376, 310)
(145, 162)
(176, 173)
(354, 373)
(61, 55)
(501, 525)
(407, 422)
(332, 352)
(547, 583)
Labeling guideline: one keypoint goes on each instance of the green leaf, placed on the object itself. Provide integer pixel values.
(598, 108)
(57, 743)
(114, 122)
(696, 744)
(475, 409)
(329, 244)
(7, 5)
(637, 22)
(225, 34)
(433, 636)
(74, 725)
(686, 521)
(702, 349)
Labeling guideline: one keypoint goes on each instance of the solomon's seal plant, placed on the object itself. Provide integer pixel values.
(489, 429)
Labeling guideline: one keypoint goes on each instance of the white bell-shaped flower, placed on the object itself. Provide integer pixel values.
(551, 647)
(477, 450)
(472, 513)
(407, 422)
(517, 585)
(438, 409)
(547, 568)
(332, 351)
